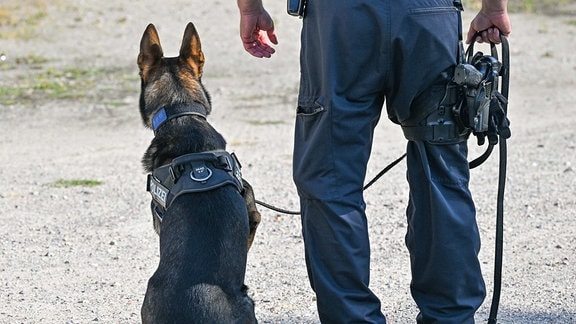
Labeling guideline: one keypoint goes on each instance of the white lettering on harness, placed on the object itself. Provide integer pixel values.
(159, 192)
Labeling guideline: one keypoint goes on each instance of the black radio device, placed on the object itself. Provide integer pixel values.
(296, 8)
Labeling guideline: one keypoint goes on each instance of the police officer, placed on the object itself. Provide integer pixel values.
(358, 56)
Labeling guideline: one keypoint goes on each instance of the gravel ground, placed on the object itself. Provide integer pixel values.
(69, 111)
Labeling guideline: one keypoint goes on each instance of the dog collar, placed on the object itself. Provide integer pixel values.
(166, 113)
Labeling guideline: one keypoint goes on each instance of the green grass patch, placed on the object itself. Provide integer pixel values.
(31, 60)
(63, 183)
(67, 83)
(33, 79)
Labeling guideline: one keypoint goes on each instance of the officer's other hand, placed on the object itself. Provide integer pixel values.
(490, 22)
(257, 33)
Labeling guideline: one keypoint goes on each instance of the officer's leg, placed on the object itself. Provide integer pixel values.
(442, 236)
(339, 106)
(329, 176)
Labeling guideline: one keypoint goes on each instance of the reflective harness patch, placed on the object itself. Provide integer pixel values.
(192, 173)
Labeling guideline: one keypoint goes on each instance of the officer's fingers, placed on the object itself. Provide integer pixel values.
(258, 49)
(493, 35)
(488, 35)
(272, 37)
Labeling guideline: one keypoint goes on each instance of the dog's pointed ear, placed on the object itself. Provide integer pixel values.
(191, 50)
(150, 50)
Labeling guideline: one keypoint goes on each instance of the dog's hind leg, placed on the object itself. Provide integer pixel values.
(213, 305)
(253, 214)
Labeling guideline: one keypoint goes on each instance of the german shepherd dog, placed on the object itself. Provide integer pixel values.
(204, 236)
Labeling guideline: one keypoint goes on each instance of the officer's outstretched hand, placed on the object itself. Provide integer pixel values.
(256, 29)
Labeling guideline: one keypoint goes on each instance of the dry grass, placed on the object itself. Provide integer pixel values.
(18, 19)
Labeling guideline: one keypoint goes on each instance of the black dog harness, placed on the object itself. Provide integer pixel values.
(191, 173)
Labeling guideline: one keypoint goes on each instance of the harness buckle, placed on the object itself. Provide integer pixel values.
(225, 162)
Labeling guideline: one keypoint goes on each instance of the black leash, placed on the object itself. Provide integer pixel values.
(276, 209)
(384, 171)
(504, 90)
(378, 176)
(499, 239)
(503, 152)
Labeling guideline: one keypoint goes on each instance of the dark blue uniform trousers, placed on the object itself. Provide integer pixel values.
(357, 55)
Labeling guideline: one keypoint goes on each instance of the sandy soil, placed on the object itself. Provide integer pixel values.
(82, 254)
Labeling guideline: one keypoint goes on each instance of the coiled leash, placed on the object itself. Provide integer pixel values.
(503, 152)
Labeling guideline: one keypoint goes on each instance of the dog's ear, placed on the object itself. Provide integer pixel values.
(150, 51)
(191, 51)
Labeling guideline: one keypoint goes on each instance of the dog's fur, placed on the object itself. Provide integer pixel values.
(204, 237)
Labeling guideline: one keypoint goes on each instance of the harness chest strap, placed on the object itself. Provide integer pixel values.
(193, 173)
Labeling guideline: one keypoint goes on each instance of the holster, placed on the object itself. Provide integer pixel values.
(436, 123)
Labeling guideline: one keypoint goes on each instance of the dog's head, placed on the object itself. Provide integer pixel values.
(170, 80)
